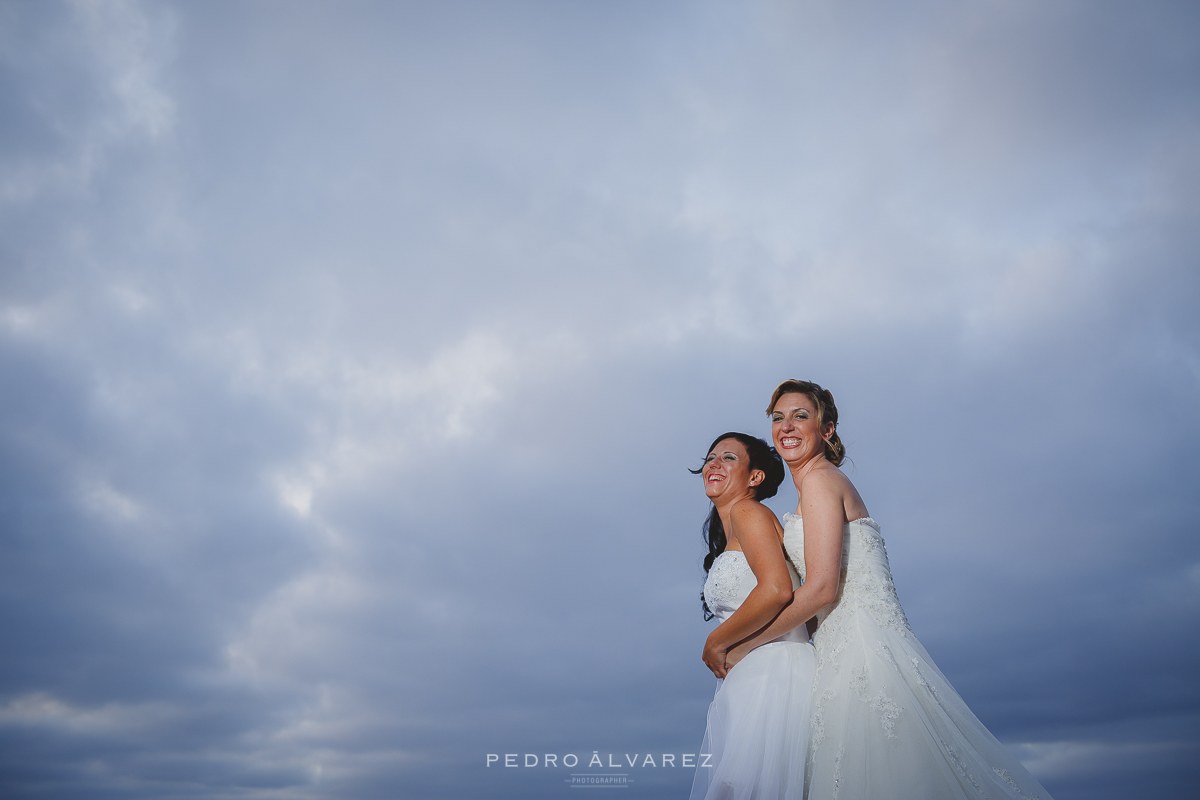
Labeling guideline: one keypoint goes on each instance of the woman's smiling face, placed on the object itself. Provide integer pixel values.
(727, 471)
(795, 430)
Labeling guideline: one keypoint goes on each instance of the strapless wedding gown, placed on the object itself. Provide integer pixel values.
(885, 722)
(758, 722)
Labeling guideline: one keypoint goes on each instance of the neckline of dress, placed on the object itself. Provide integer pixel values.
(863, 520)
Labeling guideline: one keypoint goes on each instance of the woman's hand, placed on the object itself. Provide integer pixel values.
(715, 657)
(737, 654)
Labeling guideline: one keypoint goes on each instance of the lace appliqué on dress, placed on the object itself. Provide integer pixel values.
(1007, 777)
(916, 671)
(818, 716)
(876, 596)
(867, 583)
(858, 683)
(961, 769)
(721, 588)
(880, 703)
(888, 711)
(837, 773)
(872, 540)
(886, 653)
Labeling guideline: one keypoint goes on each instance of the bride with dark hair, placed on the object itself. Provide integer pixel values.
(885, 721)
(758, 720)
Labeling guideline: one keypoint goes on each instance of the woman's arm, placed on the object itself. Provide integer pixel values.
(754, 527)
(824, 517)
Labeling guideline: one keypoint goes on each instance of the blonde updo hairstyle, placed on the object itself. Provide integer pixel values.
(835, 451)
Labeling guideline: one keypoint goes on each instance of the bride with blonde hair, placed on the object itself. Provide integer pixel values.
(885, 722)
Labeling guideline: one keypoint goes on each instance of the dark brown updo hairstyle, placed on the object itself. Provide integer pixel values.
(835, 451)
(762, 457)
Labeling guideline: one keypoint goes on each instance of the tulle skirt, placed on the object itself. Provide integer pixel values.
(887, 724)
(758, 727)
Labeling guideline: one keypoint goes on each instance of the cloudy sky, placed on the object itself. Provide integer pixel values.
(352, 357)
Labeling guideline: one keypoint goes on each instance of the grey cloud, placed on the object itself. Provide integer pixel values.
(353, 358)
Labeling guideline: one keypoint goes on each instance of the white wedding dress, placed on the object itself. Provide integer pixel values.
(886, 724)
(758, 722)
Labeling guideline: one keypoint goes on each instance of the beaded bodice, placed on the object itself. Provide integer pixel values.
(729, 583)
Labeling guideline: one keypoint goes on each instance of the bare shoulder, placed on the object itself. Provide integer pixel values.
(751, 518)
(829, 487)
(827, 480)
(751, 512)
(754, 526)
